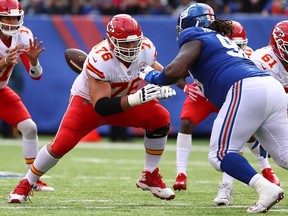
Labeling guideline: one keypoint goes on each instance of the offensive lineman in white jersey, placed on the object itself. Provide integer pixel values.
(274, 57)
(17, 42)
(105, 93)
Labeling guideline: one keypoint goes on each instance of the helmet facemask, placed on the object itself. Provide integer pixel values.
(241, 43)
(128, 48)
(282, 47)
(12, 29)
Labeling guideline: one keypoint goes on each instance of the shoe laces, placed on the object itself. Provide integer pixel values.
(24, 189)
(39, 182)
(156, 178)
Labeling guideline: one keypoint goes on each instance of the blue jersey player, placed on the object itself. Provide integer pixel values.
(249, 100)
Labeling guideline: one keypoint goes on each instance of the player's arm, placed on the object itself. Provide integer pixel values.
(100, 93)
(177, 69)
(30, 58)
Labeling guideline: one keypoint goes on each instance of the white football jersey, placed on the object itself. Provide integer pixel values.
(102, 64)
(22, 40)
(266, 59)
(248, 51)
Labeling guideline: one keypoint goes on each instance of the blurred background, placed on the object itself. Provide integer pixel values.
(63, 24)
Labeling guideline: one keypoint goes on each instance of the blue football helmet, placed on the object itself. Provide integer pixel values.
(198, 15)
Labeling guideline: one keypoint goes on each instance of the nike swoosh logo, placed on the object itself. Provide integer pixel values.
(94, 59)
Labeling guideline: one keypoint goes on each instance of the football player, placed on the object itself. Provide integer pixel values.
(17, 41)
(274, 57)
(197, 108)
(105, 93)
(249, 100)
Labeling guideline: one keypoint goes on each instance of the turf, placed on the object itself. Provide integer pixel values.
(99, 179)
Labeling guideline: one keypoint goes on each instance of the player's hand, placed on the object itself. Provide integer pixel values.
(193, 91)
(146, 73)
(12, 56)
(144, 95)
(34, 50)
(166, 92)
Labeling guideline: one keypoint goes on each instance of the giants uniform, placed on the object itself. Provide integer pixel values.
(230, 86)
(266, 59)
(10, 102)
(80, 117)
(198, 110)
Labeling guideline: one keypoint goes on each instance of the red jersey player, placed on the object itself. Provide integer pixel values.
(17, 42)
(105, 93)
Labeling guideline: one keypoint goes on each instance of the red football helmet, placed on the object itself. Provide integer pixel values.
(239, 35)
(125, 37)
(279, 40)
(11, 8)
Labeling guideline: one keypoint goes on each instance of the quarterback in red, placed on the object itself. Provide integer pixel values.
(17, 41)
(106, 93)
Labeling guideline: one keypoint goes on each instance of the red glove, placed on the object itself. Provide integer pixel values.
(193, 91)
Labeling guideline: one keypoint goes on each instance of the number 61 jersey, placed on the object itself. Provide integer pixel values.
(266, 59)
(102, 64)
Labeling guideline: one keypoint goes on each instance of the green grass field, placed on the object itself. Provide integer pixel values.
(99, 179)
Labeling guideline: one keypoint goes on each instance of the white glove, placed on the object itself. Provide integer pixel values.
(193, 91)
(166, 92)
(144, 95)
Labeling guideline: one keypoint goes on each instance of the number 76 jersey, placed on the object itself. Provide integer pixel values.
(266, 59)
(102, 64)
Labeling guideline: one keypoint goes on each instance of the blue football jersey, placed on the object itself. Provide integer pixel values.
(220, 64)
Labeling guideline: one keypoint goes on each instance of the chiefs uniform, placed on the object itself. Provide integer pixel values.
(102, 64)
(266, 59)
(10, 102)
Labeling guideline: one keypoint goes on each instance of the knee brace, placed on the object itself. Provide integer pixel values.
(28, 129)
(158, 133)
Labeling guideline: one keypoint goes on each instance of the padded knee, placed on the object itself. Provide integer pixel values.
(158, 133)
(28, 129)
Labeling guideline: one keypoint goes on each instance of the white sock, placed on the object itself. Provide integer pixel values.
(183, 149)
(227, 178)
(44, 162)
(154, 149)
(30, 150)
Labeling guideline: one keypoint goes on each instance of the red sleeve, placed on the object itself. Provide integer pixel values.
(25, 61)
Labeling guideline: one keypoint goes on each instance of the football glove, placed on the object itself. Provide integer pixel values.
(166, 92)
(193, 91)
(146, 73)
(144, 95)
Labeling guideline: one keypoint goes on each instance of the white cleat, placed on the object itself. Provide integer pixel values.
(153, 182)
(269, 195)
(21, 193)
(224, 196)
(41, 186)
